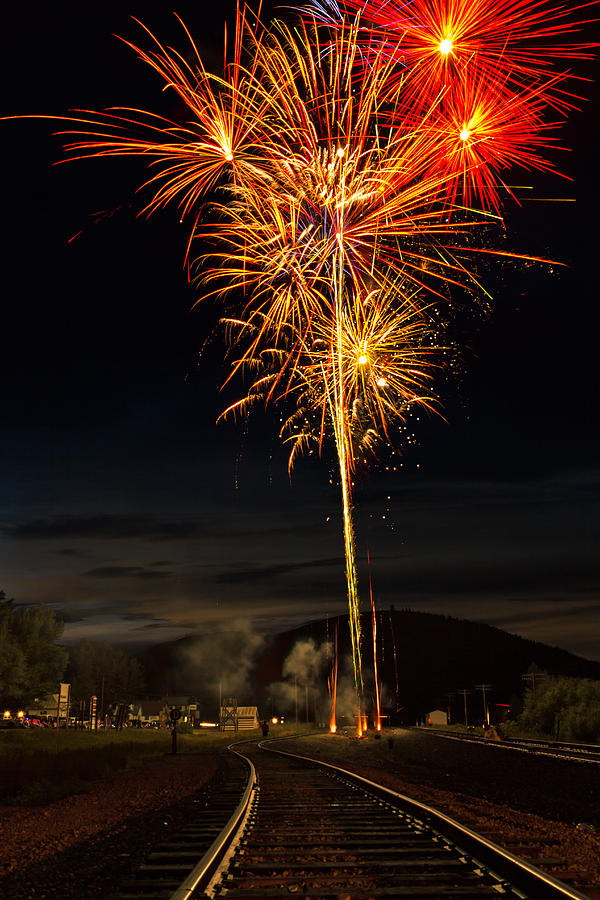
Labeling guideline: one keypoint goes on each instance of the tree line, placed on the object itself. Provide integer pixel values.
(33, 663)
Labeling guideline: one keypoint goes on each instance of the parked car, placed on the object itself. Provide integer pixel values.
(6, 724)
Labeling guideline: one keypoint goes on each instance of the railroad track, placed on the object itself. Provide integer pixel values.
(216, 811)
(583, 753)
(314, 830)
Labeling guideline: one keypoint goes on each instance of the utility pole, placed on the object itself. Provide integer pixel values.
(449, 699)
(531, 676)
(484, 688)
(464, 692)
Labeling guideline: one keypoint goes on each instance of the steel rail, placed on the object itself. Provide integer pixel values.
(501, 861)
(205, 868)
(554, 749)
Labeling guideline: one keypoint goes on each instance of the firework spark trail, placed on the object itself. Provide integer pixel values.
(325, 199)
(344, 206)
(369, 368)
(395, 661)
(374, 622)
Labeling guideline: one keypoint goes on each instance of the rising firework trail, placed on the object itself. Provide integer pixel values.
(397, 681)
(376, 677)
(332, 206)
(332, 681)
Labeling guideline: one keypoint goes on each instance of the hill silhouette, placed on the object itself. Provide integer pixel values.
(423, 660)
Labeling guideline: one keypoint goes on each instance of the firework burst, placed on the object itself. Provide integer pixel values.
(489, 70)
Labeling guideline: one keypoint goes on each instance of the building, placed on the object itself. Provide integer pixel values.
(156, 712)
(437, 717)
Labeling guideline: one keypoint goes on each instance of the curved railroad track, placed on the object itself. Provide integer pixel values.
(584, 753)
(311, 829)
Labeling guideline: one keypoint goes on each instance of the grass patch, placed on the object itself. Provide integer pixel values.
(41, 765)
(44, 791)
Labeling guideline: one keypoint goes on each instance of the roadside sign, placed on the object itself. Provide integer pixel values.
(93, 713)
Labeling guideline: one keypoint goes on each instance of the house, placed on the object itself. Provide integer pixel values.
(43, 706)
(151, 712)
(437, 717)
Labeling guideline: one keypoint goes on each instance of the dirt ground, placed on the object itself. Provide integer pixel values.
(82, 845)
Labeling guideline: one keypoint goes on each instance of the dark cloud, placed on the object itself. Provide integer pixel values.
(149, 574)
(70, 616)
(241, 576)
(504, 577)
(508, 619)
(110, 527)
(141, 616)
(125, 572)
(546, 598)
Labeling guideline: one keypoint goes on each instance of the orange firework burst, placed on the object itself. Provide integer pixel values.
(486, 128)
(488, 70)
(434, 40)
(223, 140)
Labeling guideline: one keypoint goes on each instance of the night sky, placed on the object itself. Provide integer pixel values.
(140, 520)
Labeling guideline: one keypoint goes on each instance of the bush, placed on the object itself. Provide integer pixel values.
(569, 707)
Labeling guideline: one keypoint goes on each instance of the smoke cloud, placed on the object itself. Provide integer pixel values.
(221, 664)
(304, 687)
